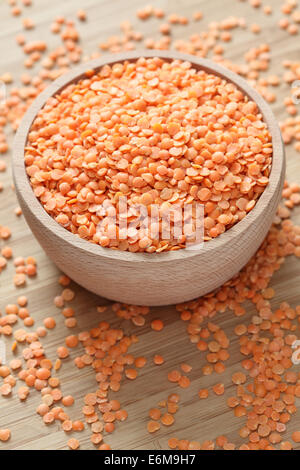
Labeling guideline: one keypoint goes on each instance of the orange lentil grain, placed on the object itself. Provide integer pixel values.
(48, 418)
(68, 400)
(104, 447)
(203, 393)
(62, 352)
(50, 323)
(66, 425)
(186, 368)
(173, 443)
(57, 364)
(131, 374)
(221, 441)
(73, 444)
(81, 15)
(158, 360)
(153, 426)
(157, 325)
(167, 419)
(140, 362)
(296, 436)
(77, 426)
(174, 376)
(155, 414)
(71, 341)
(184, 382)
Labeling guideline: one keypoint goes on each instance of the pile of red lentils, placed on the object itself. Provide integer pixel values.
(156, 133)
(267, 385)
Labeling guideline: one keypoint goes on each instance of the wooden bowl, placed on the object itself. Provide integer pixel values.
(143, 278)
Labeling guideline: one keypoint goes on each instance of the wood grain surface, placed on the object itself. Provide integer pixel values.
(197, 420)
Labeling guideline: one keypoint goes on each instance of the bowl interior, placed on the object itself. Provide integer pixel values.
(26, 193)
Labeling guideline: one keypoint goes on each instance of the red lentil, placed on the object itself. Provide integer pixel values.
(296, 436)
(203, 393)
(158, 360)
(174, 376)
(218, 389)
(68, 400)
(81, 15)
(157, 325)
(50, 323)
(5, 435)
(167, 419)
(73, 444)
(153, 426)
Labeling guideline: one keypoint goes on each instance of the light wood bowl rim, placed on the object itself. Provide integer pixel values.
(23, 185)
